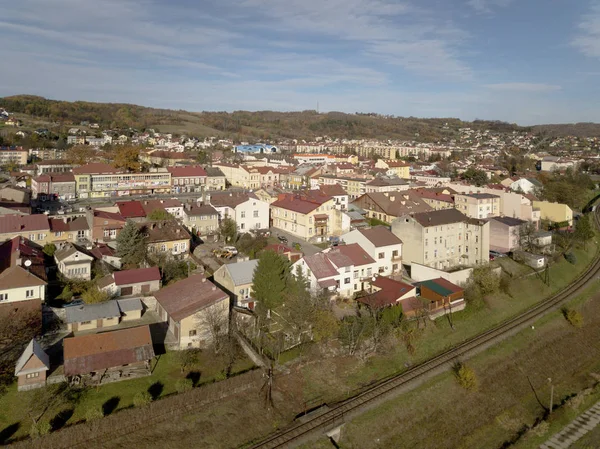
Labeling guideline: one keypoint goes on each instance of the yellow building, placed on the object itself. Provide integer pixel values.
(33, 227)
(554, 212)
(17, 156)
(400, 168)
(167, 237)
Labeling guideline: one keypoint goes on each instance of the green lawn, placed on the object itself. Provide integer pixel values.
(162, 382)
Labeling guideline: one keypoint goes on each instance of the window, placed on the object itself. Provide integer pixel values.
(80, 234)
(32, 375)
(255, 214)
(355, 273)
(31, 236)
(395, 253)
(183, 246)
(243, 214)
(3, 296)
(106, 232)
(113, 233)
(163, 247)
(426, 242)
(29, 293)
(346, 280)
(176, 247)
(193, 333)
(381, 255)
(426, 255)
(242, 226)
(57, 234)
(369, 272)
(86, 322)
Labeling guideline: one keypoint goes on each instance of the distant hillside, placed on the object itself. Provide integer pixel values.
(571, 129)
(243, 125)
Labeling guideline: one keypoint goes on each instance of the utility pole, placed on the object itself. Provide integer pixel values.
(551, 394)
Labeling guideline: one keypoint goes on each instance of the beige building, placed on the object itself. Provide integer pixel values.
(33, 227)
(477, 205)
(201, 220)
(73, 262)
(88, 317)
(18, 156)
(389, 205)
(215, 179)
(554, 212)
(237, 279)
(192, 308)
(307, 217)
(443, 239)
(400, 168)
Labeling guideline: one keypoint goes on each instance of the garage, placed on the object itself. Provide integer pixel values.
(125, 291)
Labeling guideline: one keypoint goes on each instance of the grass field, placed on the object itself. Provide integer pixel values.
(113, 397)
(512, 377)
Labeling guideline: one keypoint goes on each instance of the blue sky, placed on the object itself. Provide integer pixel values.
(524, 61)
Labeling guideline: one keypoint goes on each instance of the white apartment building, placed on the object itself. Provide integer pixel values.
(382, 245)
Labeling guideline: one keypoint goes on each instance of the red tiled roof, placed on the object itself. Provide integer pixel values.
(346, 255)
(23, 223)
(296, 203)
(126, 277)
(101, 250)
(320, 265)
(188, 296)
(389, 293)
(131, 209)
(95, 168)
(433, 195)
(66, 224)
(280, 249)
(187, 172)
(332, 190)
(108, 215)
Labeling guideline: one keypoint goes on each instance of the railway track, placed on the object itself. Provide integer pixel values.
(341, 412)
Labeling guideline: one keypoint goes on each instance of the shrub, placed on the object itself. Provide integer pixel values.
(94, 413)
(142, 398)
(571, 258)
(39, 429)
(574, 317)
(183, 385)
(465, 376)
(49, 249)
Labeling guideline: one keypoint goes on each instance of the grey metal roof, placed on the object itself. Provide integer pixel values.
(130, 304)
(33, 348)
(242, 272)
(89, 312)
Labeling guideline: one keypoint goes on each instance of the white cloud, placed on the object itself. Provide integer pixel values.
(587, 41)
(524, 87)
(487, 6)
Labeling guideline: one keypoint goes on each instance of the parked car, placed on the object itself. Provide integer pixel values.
(282, 239)
(495, 254)
(75, 303)
(231, 249)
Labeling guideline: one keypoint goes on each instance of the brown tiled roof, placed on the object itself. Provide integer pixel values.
(126, 277)
(432, 194)
(23, 223)
(95, 352)
(346, 255)
(164, 231)
(396, 204)
(18, 277)
(108, 215)
(440, 217)
(332, 190)
(320, 265)
(68, 225)
(380, 236)
(188, 296)
(389, 293)
(131, 209)
(196, 210)
(21, 248)
(298, 203)
(230, 199)
(101, 250)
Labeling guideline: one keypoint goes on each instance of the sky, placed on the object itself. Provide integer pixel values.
(522, 61)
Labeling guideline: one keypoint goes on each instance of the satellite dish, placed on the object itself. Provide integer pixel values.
(28, 263)
(373, 278)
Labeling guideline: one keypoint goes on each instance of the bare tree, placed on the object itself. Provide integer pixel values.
(215, 321)
(527, 237)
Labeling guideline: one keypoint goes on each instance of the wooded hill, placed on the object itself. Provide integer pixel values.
(262, 125)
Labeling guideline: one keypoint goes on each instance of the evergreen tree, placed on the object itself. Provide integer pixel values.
(271, 277)
(131, 245)
(228, 229)
(584, 230)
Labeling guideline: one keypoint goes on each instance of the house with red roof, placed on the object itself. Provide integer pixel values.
(22, 271)
(191, 178)
(53, 186)
(343, 270)
(33, 227)
(382, 245)
(386, 292)
(140, 281)
(132, 210)
(105, 226)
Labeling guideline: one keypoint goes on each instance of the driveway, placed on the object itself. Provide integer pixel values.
(307, 248)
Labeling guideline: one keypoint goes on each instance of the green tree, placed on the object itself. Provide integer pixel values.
(583, 230)
(465, 376)
(93, 295)
(131, 245)
(160, 215)
(228, 229)
(476, 176)
(49, 249)
(270, 280)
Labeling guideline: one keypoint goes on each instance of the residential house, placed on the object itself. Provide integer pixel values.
(53, 186)
(400, 168)
(505, 233)
(269, 194)
(436, 198)
(555, 212)
(140, 281)
(386, 292)
(355, 185)
(201, 220)
(382, 184)
(237, 279)
(337, 192)
(555, 163)
(87, 317)
(244, 207)
(73, 262)
(32, 367)
(190, 178)
(33, 227)
(342, 270)
(106, 254)
(104, 226)
(132, 210)
(307, 216)
(477, 205)
(167, 237)
(23, 274)
(118, 352)
(291, 254)
(442, 297)
(382, 245)
(215, 179)
(388, 206)
(172, 206)
(524, 185)
(443, 239)
(188, 306)
(68, 229)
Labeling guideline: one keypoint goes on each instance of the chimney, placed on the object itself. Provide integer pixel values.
(160, 226)
(392, 198)
(214, 288)
(65, 219)
(188, 206)
(177, 231)
(203, 280)
(386, 194)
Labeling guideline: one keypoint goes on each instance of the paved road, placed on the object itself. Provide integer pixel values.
(307, 248)
(574, 431)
